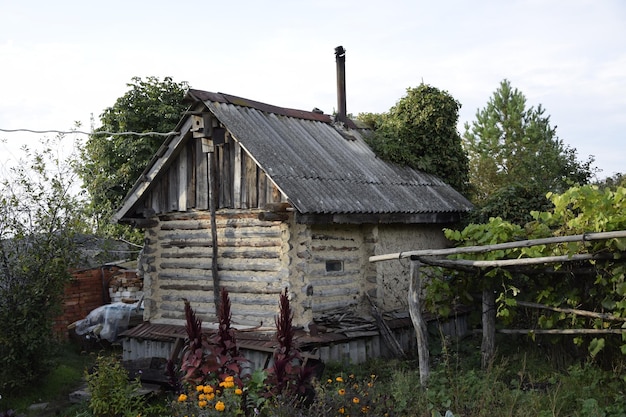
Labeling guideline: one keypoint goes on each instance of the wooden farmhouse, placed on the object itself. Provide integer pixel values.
(256, 198)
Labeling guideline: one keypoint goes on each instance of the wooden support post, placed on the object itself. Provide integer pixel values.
(415, 310)
(488, 347)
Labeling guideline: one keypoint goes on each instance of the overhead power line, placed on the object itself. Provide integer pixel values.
(69, 132)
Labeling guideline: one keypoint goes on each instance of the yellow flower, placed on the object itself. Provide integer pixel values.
(339, 379)
(238, 391)
(356, 400)
(342, 410)
(182, 398)
(207, 389)
(202, 397)
(199, 388)
(330, 381)
(202, 404)
(229, 379)
(220, 406)
(341, 391)
(210, 396)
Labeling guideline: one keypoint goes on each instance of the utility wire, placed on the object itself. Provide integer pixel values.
(69, 132)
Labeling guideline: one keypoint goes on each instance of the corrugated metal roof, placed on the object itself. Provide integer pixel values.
(325, 168)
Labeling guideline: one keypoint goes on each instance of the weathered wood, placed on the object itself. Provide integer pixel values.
(421, 333)
(577, 312)
(182, 179)
(499, 246)
(562, 331)
(191, 174)
(452, 263)
(386, 333)
(280, 207)
(202, 179)
(236, 180)
(213, 201)
(488, 346)
(172, 189)
(273, 217)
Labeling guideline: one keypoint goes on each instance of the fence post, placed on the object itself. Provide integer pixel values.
(415, 310)
(488, 346)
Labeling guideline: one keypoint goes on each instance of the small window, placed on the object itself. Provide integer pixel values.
(334, 266)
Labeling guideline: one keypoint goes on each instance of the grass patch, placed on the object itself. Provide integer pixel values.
(66, 374)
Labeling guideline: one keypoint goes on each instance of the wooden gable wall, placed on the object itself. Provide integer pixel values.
(184, 184)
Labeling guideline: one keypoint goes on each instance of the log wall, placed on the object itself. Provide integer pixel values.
(252, 263)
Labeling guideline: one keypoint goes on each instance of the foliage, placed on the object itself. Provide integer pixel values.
(288, 376)
(197, 360)
(221, 398)
(112, 394)
(111, 164)
(598, 286)
(39, 218)
(420, 132)
(510, 145)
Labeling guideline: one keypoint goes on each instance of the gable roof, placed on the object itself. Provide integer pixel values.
(324, 168)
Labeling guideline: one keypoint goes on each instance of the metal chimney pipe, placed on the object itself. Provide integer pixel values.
(340, 57)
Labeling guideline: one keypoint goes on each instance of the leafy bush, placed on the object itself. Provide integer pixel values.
(38, 220)
(112, 393)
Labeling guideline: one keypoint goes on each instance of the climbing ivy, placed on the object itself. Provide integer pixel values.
(598, 286)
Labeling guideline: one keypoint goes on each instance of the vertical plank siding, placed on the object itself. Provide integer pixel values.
(185, 184)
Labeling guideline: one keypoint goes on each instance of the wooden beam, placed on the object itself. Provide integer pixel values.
(585, 313)
(508, 245)
(451, 263)
(562, 331)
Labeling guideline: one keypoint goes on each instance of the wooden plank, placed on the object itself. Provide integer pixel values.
(191, 174)
(172, 189)
(182, 179)
(202, 179)
(237, 151)
(262, 179)
(227, 173)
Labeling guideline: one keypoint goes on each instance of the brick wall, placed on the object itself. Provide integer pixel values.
(87, 290)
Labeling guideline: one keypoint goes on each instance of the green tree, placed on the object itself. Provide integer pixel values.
(39, 217)
(420, 132)
(111, 164)
(511, 145)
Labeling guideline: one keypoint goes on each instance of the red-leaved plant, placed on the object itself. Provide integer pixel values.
(197, 360)
(288, 375)
(228, 360)
(217, 354)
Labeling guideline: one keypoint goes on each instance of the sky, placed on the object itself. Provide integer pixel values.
(66, 61)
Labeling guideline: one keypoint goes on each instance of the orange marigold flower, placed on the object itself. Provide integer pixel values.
(220, 406)
(356, 400)
(339, 379)
(341, 391)
(238, 391)
(199, 388)
(207, 389)
(182, 398)
(330, 381)
(210, 396)
(202, 404)
(342, 410)
(202, 397)
(229, 379)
